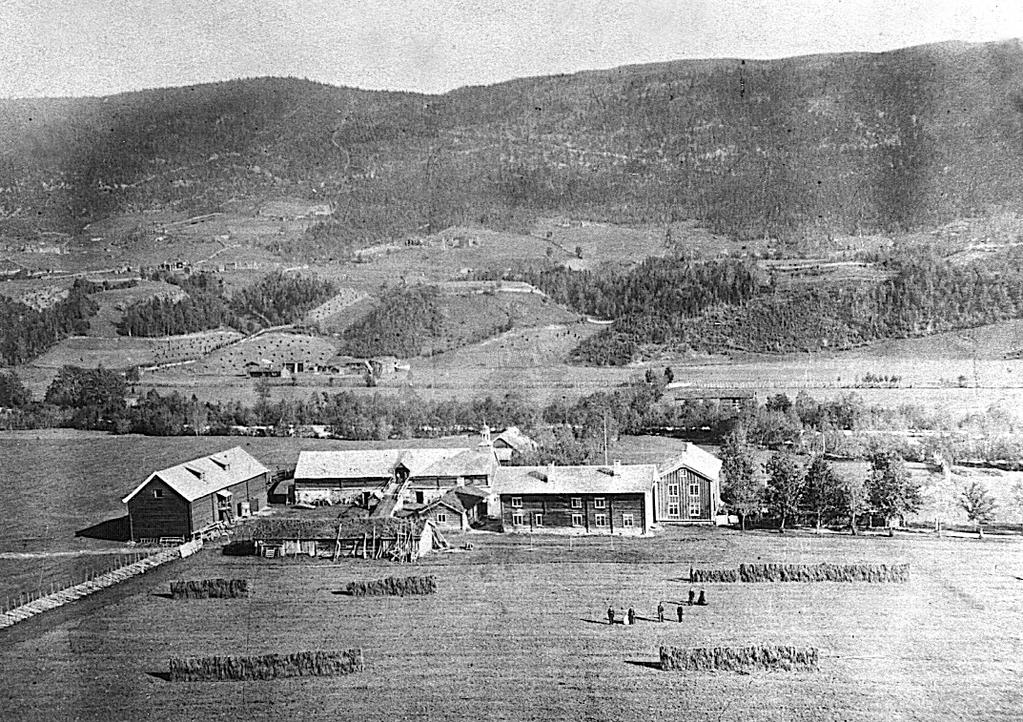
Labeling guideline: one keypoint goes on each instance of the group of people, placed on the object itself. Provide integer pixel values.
(630, 615)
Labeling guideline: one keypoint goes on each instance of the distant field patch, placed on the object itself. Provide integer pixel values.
(276, 348)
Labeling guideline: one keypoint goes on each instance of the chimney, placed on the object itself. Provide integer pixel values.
(485, 433)
(550, 471)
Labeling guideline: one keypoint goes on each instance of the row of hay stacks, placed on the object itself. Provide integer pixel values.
(875, 573)
(393, 586)
(739, 659)
(267, 666)
(210, 589)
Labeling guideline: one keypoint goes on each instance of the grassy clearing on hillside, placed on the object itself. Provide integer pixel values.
(510, 635)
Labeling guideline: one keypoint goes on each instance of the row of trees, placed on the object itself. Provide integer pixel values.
(792, 488)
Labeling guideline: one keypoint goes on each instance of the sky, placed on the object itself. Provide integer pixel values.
(99, 47)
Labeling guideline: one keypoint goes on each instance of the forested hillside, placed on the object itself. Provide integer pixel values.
(813, 145)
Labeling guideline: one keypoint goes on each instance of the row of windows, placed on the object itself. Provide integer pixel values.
(695, 508)
(599, 520)
(577, 502)
(694, 489)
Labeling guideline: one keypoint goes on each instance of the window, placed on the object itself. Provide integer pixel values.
(157, 493)
(600, 520)
(442, 518)
(674, 510)
(516, 502)
(627, 520)
(694, 488)
(537, 519)
(577, 502)
(695, 508)
(577, 520)
(672, 489)
(517, 518)
(598, 503)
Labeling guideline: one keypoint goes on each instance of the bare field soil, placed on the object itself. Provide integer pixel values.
(277, 348)
(516, 631)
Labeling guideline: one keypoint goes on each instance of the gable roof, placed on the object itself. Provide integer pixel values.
(515, 439)
(380, 463)
(206, 475)
(619, 479)
(459, 500)
(695, 459)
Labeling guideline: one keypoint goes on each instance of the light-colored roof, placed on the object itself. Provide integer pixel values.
(199, 477)
(620, 479)
(380, 463)
(695, 459)
(514, 438)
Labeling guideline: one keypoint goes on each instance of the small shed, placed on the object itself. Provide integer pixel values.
(402, 540)
(457, 510)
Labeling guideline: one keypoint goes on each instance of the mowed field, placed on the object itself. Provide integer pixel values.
(517, 631)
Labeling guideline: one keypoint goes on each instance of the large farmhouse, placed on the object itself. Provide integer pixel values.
(414, 476)
(615, 499)
(689, 487)
(183, 500)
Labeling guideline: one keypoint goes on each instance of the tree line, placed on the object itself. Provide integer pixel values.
(274, 299)
(26, 332)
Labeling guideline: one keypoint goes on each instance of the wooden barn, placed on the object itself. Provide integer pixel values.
(689, 487)
(616, 499)
(416, 476)
(184, 500)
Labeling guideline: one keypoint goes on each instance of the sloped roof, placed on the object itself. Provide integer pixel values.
(514, 438)
(208, 474)
(380, 463)
(623, 479)
(695, 459)
(324, 527)
(460, 499)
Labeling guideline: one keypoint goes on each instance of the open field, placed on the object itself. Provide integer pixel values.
(515, 632)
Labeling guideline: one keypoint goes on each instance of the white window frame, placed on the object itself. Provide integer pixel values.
(442, 517)
(674, 509)
(673, 490)
(695, 507)
(577, 520)
(577, 502)
(518, 519)
(599, 503)
(694, 488)
(628, 520)
(538, 518)
(600, 520)
(157, 493)
(516, 502)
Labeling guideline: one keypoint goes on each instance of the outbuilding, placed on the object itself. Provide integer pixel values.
(184, 500)
(689, 487)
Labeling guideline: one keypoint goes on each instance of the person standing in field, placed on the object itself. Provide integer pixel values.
(660, 611)
(610, 615)
(680, 612)
(702, 601)
(632, 616)
(692, 596)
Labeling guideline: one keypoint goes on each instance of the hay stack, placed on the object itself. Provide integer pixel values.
(267, 666)
(393, 586)
(210, 589)
(739, 659)
(876, 573)
(698, 576)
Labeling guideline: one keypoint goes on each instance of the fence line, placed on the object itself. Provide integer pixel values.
(29, 604)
